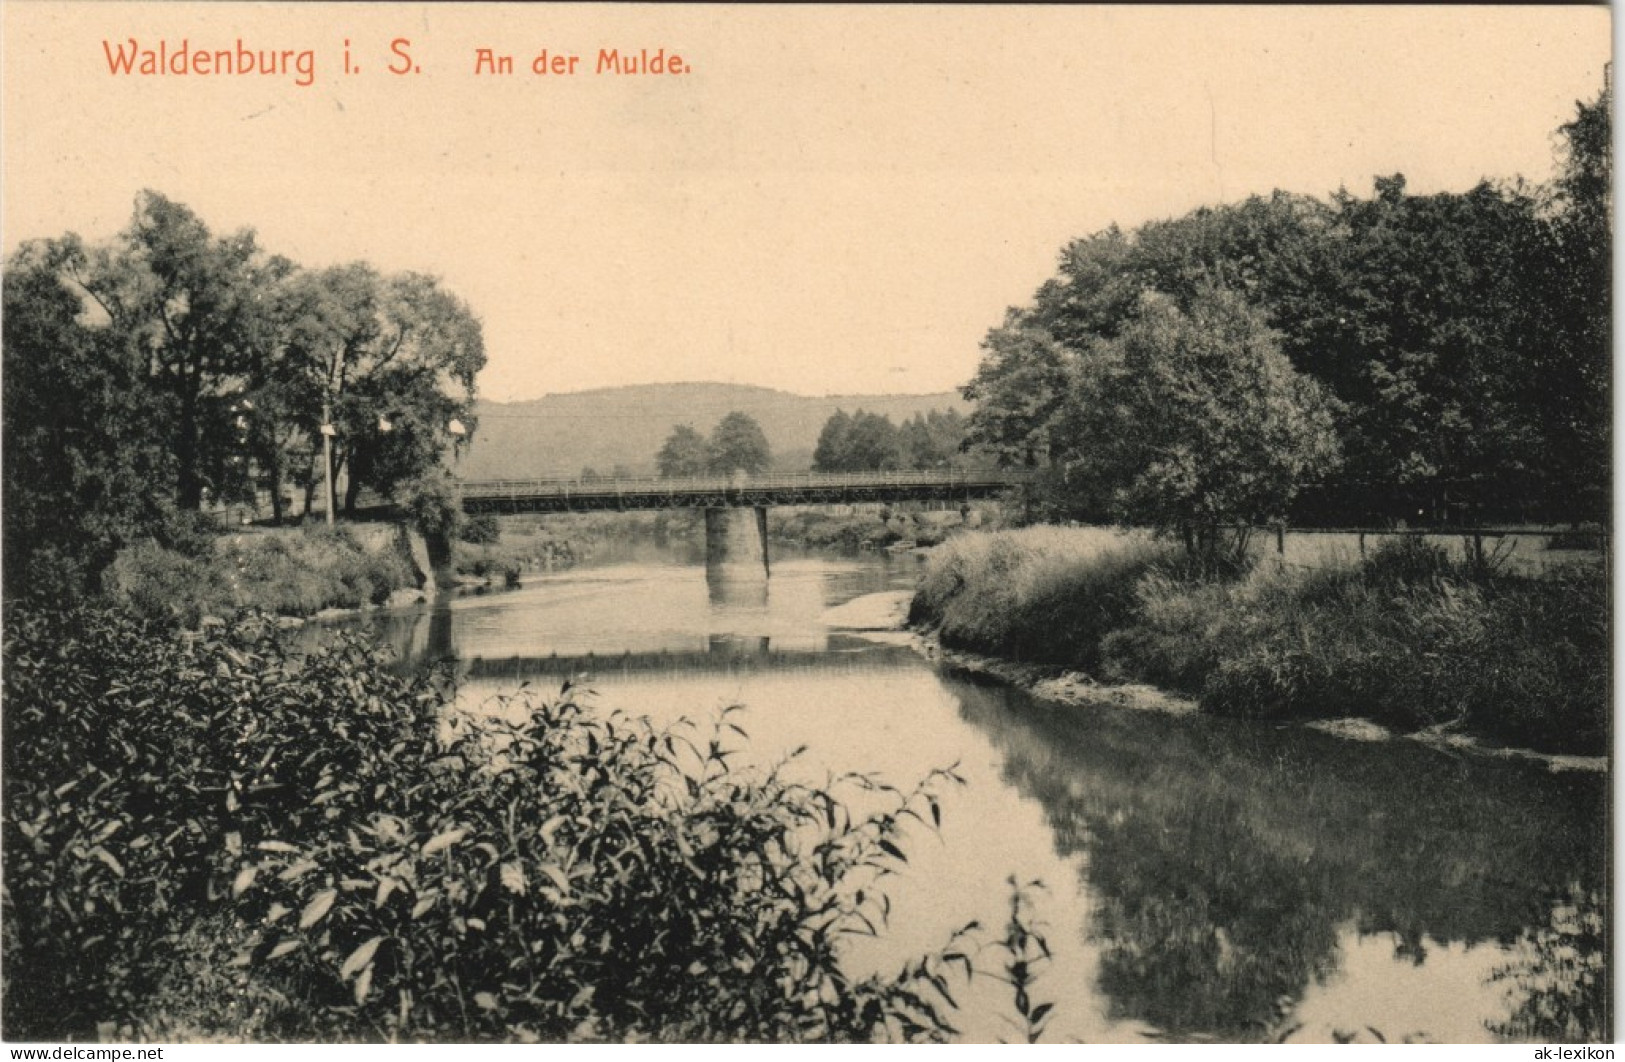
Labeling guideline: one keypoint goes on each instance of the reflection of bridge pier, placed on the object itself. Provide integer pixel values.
(718, 655)
(735, 548)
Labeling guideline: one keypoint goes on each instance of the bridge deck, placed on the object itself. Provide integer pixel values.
(720, 492)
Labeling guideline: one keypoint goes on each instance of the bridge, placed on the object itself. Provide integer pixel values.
(734, 492)
(735, 506)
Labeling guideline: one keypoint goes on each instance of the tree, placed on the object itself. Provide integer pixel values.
(391, 361)
(170, 365)
(830, 453)
(684, 453)
(872, 443)
(738, 444)
(862, 442)
(1019, 387)
(930, 440)
(1426, 339)
(84, 442)
(1196, 424)
(190, 303)
(1469, 369)
(1573, 356)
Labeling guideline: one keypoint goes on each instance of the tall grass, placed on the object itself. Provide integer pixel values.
(1038, 594)
(1413, 636)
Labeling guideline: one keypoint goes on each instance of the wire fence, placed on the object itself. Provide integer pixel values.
(1527, 550)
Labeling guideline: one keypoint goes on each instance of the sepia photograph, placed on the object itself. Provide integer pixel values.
(595, 523)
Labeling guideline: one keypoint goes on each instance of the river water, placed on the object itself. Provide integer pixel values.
(1202, 879)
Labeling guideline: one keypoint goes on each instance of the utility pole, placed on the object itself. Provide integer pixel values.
(327, 452)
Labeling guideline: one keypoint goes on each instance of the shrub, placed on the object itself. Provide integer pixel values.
(432, 503)
(206, 833)
(166, 586)
(480, 530)
(1042, 594)
(187, 532)
(1413, 637)
(291, 573)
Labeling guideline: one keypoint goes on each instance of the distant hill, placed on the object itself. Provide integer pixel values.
(564, 433)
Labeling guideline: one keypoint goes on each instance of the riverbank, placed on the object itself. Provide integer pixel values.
(1073, 689)
(1410, 640)
(904, 525)
(294, 573)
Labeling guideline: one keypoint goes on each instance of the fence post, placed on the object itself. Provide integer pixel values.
(1362, 545)
(1280, 546)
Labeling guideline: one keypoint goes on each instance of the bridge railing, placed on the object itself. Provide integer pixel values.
(771, 481)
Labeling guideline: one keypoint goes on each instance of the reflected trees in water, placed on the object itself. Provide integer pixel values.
(1226, 861)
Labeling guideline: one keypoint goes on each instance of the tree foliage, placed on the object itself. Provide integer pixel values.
(738, 444)
(1463, 335)
(211, 836)
(1019, 388)
(870, 442)
(171, 367)
(684, 453)
(193, 305)
(82, 449)
(391, 359)
(1194, 422)
(861, 442)
(931, 440)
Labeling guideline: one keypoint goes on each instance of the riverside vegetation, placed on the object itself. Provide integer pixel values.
(294, 572)
(208, 835)
(1412, 637)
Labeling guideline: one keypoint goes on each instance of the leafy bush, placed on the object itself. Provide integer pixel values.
(166, 586)
(1413, 637)
(187, 532)
(432, 503)
(480, 529)
(207, 835)
(291, 573)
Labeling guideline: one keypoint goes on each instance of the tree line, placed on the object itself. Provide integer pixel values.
(870, 442)
(1443, 357)
(855, 442)
(171, 368)
(736, 444)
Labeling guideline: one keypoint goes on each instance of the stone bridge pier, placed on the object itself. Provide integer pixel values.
(736, 545)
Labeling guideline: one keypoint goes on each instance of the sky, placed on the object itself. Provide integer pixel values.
(828, 200)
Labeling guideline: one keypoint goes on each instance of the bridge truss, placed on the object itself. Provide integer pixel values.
(738, 491)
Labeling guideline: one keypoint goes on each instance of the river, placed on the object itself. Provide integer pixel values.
(1202, 879)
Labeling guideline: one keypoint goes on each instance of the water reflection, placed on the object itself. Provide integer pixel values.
(725, 585)
(1559, 979)
(1237, 869)
(1208, 879)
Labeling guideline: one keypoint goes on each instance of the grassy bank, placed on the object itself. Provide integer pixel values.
(291, 572)
(875, 526)
(1413, 636)
(503, 549)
